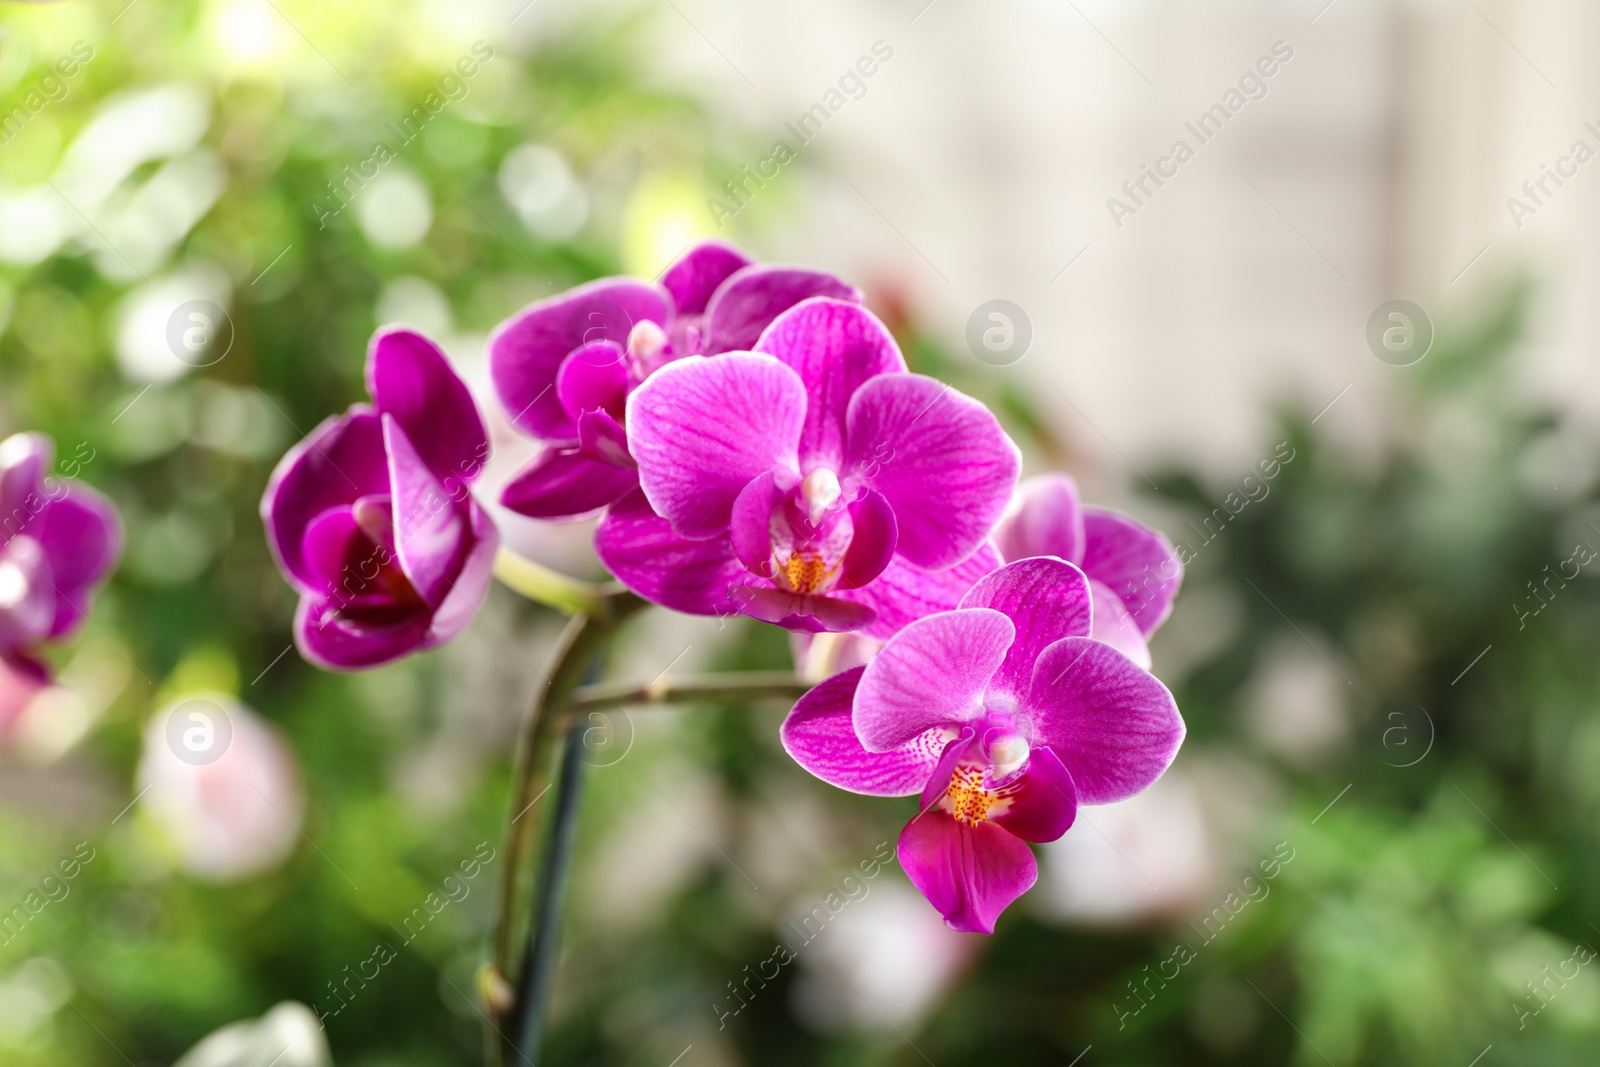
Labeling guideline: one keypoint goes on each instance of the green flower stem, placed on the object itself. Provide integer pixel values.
(722, 688)
(545, 586)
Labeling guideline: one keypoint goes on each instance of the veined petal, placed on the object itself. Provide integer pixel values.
(411, 381)
(748, 301)
(698, 272)
(1046, 599)
(526, 351)
(969, 873)
(932, 673)
(566, 484)
(701, 429)
(819, 736)
(750, 525)
(835, 347)
(1114, 726)
(1042, 803)
(1044, 518)
(341, 461)
(903, 593)
(640, 548)
(1114, 626)
(940, 458)
(1134, 562)
(428, 526)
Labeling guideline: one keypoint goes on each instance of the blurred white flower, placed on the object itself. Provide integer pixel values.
(538, 183)
(220, 784)
(818, 657)
(394, 209)
(287, 1036)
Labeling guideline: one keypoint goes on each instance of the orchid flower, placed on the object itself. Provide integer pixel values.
(371, 518)
(563, 367)
(57, 540)
(813, 483)
(1004, 715)
(1133, 571)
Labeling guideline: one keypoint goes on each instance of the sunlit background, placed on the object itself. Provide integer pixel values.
(1378, 845)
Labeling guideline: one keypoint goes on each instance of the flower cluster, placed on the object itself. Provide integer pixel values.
(754, 442)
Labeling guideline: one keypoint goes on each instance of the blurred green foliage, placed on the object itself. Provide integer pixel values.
(1418, 905)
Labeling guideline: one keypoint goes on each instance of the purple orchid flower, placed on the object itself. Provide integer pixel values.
(57, 540)
(813, 483)
(1134, 574)
(371, 518)
(563, 367)
(1005, 716)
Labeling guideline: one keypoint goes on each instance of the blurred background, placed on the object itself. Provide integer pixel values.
(1378, 844)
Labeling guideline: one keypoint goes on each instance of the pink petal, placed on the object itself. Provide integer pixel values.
(1114, 726)
(471, 583)
(526, 351)
(802, 612)
(698, 272)
(1046, 599)
(341, 461)
(24, 460)
(835, 347)
(939, 781)
(819, 736)
(969, 873)
(1045, 801)
(411, 380)
(931, 674)
(641, 550)
(428, 525)
(701, 429)
(81, 537)
(338, 644)
(940, 458)
(902, 594)
(26, 619)
(1114, 626)
(1045, 519)
(593, 377)
(748, 301)
(1135, 562)
(872, 543)
(566, 484)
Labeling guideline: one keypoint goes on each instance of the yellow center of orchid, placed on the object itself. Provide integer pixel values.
(806, 571)
(967, 799)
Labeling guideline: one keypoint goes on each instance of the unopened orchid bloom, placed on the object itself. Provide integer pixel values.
(1133, 571)
(1004, 715)
(372, 519)
(57, 541)
(563, 367)
(843, 488)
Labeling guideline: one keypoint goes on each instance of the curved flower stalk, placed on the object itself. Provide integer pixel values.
(813, 483)
(372, 518)
(1133, 572)
(1004, 715)
(563, 368)
(57, 541)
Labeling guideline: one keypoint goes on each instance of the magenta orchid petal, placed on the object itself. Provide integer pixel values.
(1042, 803)
(750, 525)
(336, 643)
(939, 782)
(1114, 626)
(1135, 562)
(332, 542)
(940, 458)
(820, 737)
(428, 524)
(527, 350)
(602, 437)
(932, 674)
(701, 429)
(1045, 519)
(566, 484)
(902, 594)
(640, 548)
(1114, 726)
(82, 538)
(747, 303)
(471, 582)
(31, 608)
(873, 543)
(969, 873)
(1046, 599)
(697, 274)
(24, 462)
(411, 380)
(594, 377)
(803, 612)
(341, 460)
(835, 347)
